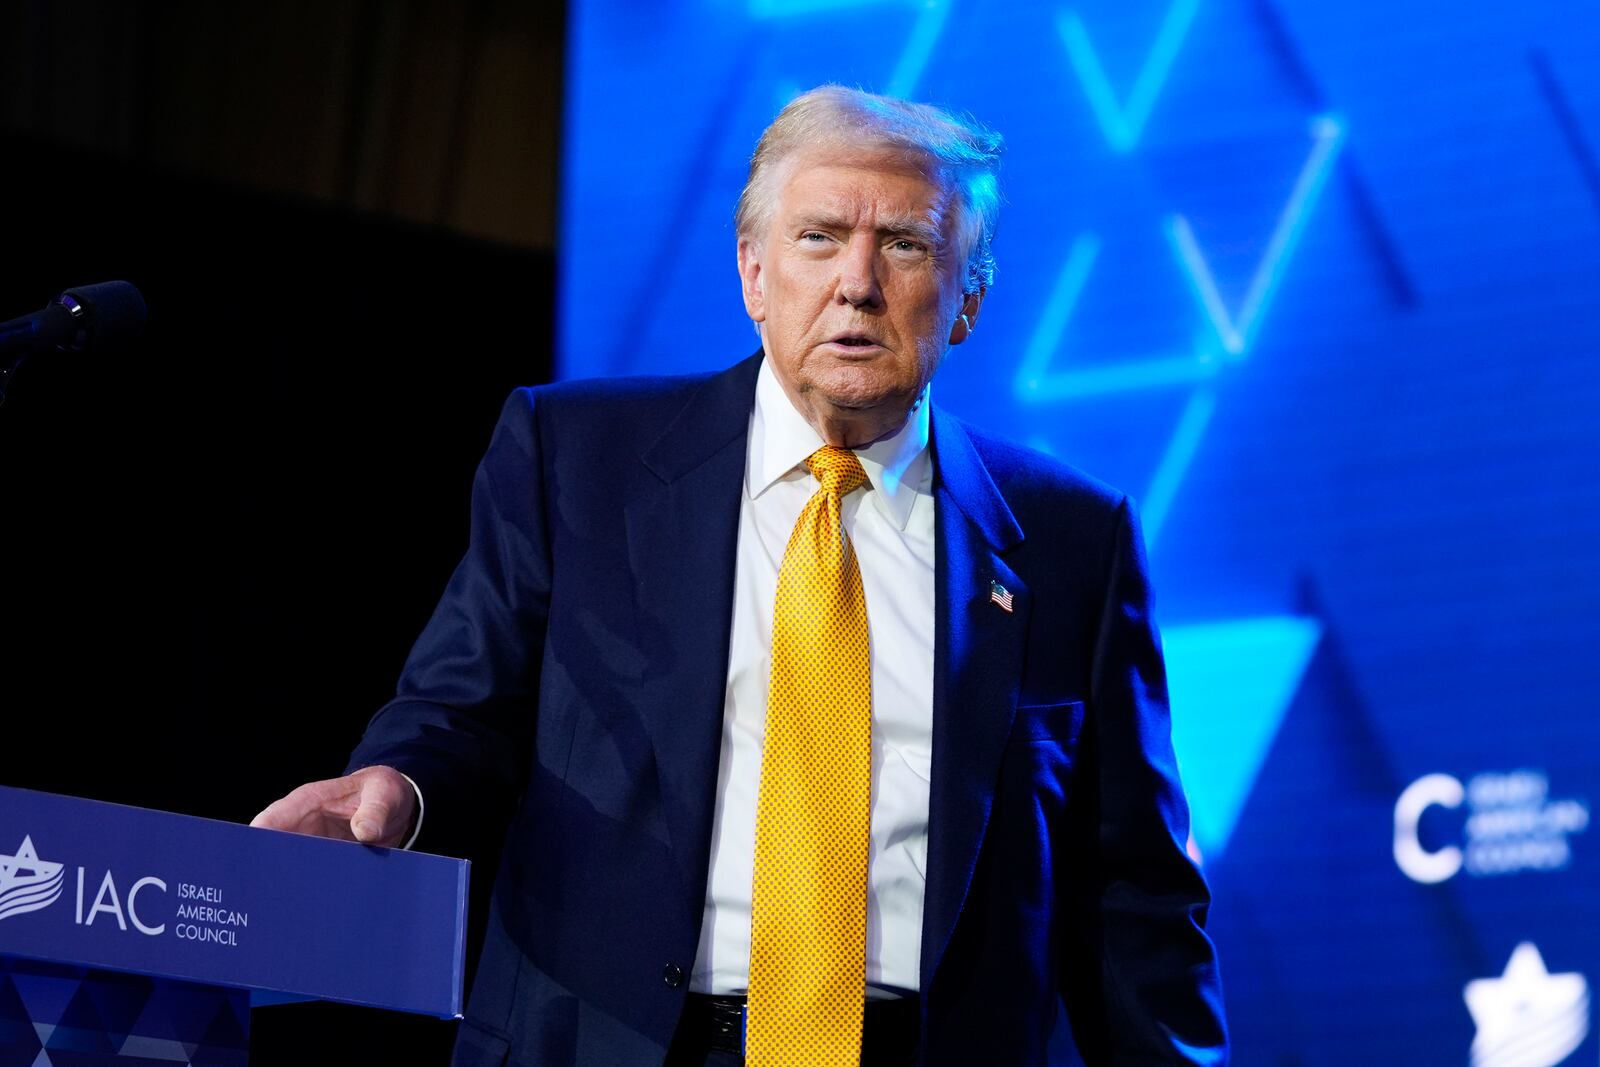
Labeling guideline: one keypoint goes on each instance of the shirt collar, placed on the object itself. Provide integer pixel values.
(897, 467)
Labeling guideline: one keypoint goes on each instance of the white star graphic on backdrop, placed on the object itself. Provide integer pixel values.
(1527, 1017)
(26, 859)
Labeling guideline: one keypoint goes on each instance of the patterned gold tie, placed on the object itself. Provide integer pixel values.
(809, 905)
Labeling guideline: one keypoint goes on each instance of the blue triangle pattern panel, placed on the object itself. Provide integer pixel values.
(81, 1017)
(19, 1041)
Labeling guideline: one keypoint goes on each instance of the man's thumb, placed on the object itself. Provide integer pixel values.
(371, 816)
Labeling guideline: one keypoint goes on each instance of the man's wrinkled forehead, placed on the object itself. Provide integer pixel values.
(800, 196)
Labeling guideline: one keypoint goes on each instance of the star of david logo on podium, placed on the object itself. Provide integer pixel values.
(28, 883)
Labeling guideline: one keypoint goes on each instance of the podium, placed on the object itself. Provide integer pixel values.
(142, 938)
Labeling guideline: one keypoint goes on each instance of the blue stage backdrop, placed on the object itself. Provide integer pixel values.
(1318, 282)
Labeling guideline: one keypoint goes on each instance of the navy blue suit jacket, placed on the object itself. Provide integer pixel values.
(571, 685)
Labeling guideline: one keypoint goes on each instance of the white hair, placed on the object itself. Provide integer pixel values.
(964, 153)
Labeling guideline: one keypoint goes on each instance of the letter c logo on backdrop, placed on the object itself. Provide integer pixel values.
(1416, 862)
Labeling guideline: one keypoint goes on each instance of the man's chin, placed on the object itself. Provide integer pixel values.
(857, 403)
(862, 418)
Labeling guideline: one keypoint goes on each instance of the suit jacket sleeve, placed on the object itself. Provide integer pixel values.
(1162, 998)
(462, 720)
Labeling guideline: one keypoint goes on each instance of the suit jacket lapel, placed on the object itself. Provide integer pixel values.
(683, 545)
(977, 665)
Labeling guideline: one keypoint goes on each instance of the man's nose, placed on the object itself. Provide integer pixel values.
(858, 273)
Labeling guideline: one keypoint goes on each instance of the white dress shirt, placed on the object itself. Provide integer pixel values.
(891, 525)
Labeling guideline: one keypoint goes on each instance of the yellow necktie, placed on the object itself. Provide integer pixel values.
(809, 905)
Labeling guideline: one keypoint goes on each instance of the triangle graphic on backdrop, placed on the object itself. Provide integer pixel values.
(1236, 330)
(1232, 683)
(914, 54)
(1037, 381)
(1122, 122)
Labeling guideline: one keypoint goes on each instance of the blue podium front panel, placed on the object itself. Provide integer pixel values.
(108, 886)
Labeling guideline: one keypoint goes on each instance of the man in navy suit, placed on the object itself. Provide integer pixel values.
(595, 676)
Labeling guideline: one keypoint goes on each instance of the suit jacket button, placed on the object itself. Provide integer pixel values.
(672, 974)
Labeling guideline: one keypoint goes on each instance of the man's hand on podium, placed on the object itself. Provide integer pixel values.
(375, 806)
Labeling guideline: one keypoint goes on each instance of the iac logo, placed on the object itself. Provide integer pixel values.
(1511, 824)
(27, 883)
(1527, 1017)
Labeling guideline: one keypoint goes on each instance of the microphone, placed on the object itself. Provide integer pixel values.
(89, 316)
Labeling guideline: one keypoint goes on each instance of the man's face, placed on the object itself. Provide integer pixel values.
(858, 286)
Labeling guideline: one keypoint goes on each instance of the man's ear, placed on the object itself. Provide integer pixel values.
(971, 303)
(751, 281)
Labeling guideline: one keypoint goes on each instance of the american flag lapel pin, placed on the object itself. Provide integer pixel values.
(999, 594)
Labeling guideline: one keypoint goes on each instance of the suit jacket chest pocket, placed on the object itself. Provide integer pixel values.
(1041, 756)
(1058, 724)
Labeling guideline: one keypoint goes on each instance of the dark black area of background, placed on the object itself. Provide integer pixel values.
(216, 548)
